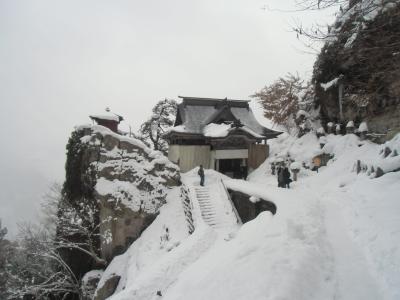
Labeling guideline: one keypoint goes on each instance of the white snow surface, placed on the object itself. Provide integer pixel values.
(216, 130)
(329, 84)
(109, 117)
(93, 274)
(335, 235)
(363, 127)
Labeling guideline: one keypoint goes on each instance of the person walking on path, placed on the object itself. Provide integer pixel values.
(280, 177)
(201, 174)
(286, 178)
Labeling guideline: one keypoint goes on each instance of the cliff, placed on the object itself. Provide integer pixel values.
(122, 181)
(131, 185)
(362, 57)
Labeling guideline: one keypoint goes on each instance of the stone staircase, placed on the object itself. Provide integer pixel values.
(215, 206)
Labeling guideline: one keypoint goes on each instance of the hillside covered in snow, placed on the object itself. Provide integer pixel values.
(335, 234)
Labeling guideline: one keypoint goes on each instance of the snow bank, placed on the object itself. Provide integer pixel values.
(280, 257)
(144, 259)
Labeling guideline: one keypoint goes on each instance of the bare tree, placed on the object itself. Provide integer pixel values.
(36, 269)
(79, 222)
(280, 100)
(353, 17)
(5, 251)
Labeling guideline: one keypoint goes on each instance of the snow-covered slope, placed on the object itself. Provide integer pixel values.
(335, 235)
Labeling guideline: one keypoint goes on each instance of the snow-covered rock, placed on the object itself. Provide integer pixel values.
(131, 182)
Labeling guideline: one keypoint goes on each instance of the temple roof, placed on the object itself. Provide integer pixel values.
(195, 115)
(107, 116)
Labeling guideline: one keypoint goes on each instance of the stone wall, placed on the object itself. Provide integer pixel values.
(249, 210)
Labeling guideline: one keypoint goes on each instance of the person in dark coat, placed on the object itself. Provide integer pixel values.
(201, 174)
(286, 177)
(280, 177)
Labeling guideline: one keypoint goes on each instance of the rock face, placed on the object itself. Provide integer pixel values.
(108, 288)
(248, 207)
(89, 283)
(131, 185)
(360, 68)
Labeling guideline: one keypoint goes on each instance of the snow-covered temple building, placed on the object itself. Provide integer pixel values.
(220, 134)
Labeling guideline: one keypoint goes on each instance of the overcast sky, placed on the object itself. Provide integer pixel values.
(63, 60)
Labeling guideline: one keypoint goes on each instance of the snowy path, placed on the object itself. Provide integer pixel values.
(352, 277)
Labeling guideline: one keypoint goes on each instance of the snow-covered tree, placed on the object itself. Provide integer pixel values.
(353, 17)
(78, 229)
(39, 266)
(36, 270)
(155, 127)
(77, 211)
(5, 248)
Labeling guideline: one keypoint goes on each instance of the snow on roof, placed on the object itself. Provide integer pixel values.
(295, 165)
(301, 113)
(363, 127)
(197, 114)
(321, 130)
(222, 130)
(350, 124)
(217, 130)
(107, 116)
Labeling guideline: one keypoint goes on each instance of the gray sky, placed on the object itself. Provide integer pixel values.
(63, 60)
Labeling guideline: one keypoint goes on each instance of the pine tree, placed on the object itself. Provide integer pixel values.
(153, 129)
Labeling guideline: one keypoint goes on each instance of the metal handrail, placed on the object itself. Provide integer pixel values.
(239, 220)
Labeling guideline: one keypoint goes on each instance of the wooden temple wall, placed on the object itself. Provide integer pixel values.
(189, 157)
(258, 153)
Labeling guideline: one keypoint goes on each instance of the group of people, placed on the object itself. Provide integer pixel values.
(283, 175)
(284, 179)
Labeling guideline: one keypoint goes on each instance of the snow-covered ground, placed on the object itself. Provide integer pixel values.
(336, 234)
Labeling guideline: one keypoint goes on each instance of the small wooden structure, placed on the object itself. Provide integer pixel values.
(219, 134)
(109, 120)
(321, 160)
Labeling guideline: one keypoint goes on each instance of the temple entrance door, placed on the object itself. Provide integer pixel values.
(233, 168)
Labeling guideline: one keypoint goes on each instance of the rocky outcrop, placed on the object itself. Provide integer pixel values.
(108, 288)
(249, 207)
(356, 75)
(131, 185)
(89, 283)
